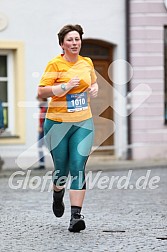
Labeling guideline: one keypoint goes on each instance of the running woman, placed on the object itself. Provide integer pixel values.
(70, 80)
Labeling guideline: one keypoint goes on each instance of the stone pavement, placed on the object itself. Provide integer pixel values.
(121, 213)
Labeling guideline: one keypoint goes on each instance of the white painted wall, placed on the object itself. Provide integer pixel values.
(37, 23)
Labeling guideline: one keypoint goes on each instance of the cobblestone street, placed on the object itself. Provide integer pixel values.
(118, 217)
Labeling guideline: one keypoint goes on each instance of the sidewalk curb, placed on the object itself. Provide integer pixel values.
(99, 165)
(125, 164)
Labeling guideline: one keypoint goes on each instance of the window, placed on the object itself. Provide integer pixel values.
(7, 90)
(12, 91)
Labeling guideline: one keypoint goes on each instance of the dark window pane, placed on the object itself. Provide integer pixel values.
(3, 91)
(3, 66)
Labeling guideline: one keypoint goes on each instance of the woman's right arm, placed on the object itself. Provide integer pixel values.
(49, 91)
(56, 90)
(45, 92)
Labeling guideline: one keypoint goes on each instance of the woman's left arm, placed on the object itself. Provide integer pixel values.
(93, 90)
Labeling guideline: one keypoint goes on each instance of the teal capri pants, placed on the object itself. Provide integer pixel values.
(70, 145)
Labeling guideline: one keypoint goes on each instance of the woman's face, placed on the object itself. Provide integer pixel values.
(71, 43)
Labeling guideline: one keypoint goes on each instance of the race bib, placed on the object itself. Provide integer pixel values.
(77, 102)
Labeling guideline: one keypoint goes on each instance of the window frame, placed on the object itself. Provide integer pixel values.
(10, 90)
(15, 59)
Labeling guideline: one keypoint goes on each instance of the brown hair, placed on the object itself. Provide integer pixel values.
(69, 28)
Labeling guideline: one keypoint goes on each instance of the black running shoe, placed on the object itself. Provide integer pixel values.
(58, 205)
(77, 223)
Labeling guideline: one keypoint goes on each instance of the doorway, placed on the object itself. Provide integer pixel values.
(101, 53)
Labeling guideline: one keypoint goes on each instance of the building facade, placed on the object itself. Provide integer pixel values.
(148, 55)
(127, 41)
(28, 40)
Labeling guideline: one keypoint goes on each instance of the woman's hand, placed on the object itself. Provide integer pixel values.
(74, 82)
(93, 90)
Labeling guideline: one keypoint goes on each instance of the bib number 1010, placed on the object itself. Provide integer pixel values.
(77, 102)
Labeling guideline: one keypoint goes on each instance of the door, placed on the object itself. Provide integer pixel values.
(101, 54)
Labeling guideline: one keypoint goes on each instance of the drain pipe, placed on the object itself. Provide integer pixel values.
(127, 23)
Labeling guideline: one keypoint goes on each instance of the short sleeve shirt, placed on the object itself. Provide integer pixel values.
(74, 106)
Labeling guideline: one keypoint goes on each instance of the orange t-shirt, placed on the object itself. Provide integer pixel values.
(74, 106)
